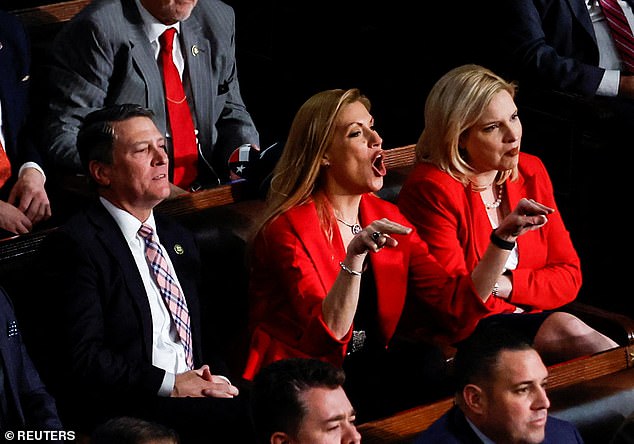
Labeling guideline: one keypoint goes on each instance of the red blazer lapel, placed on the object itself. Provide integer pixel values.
(390, 270)
(481, 223)
(325, 256)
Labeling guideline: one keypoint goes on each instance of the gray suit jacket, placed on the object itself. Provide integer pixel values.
(103, 57)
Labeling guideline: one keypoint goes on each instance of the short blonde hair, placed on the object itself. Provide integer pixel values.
(454, 104)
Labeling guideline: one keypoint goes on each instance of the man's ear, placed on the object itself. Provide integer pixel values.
(280, 438)
(100, 172)
(473, 398)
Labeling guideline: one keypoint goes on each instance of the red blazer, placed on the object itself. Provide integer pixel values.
(294, 266)
(453, 221)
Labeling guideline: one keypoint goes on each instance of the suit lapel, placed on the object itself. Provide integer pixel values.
(113, 241)
(198, 55)
(580, 11)
(325, 257)
(180, 255)
(145, 61)
(482, 224)
(390, 273)
(480, 221)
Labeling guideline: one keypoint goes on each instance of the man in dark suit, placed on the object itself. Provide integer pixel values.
(23, 199)
(108, 54)
(500, 396)
(119, 348)
(25, 404)
(562, 45)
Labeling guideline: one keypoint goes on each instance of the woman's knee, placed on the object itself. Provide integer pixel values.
(561, 331)
(562, 325)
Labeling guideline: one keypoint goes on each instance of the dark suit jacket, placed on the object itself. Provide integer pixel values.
(15, 65)
(103, 57)
(100, 359)
(29, 404)
(548, 43)
(453, 428)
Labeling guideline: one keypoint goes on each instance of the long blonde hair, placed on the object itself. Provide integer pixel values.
(454, 105)
(297, 175)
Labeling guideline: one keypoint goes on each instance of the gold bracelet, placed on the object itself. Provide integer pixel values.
(348, 270)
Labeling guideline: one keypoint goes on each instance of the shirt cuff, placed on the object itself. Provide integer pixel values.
(609, 85)
(167, 385)
(32, 165)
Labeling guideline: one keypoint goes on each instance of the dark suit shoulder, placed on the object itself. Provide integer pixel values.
(213, 7)
(171, 223)
(558, 430)
(451, 428)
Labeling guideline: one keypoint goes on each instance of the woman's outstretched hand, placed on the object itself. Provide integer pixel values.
(376, 236)
(528, 215)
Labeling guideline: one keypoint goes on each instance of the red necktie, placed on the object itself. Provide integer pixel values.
(621, 32)
(5, 166)
(172, 296)
(180, 118)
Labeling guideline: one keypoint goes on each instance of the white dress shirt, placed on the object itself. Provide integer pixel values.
(168, 352)
(153, 29)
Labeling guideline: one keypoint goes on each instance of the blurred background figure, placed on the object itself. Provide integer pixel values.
(129, 430)
(25, 403)
(24, 202)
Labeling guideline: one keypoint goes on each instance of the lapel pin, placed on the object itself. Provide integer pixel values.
(178, 249)
(1, 45)
(26, 78)
(195, 50)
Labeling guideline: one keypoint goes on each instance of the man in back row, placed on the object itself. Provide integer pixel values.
(500, 396)
(175, 57)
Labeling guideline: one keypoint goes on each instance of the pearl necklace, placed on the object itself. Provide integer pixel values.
(355, 228)
(498, 201)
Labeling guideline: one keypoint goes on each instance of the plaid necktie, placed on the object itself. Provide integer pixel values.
(621, 32)
(180, 117)
(172, 296)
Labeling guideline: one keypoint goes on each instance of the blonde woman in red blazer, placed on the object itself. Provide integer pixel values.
(333, 266)
(465, 187)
